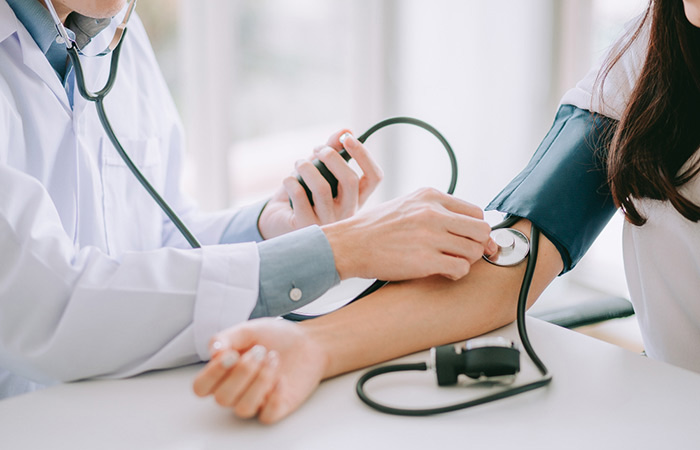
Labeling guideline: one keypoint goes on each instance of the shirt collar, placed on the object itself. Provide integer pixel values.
(38, 22)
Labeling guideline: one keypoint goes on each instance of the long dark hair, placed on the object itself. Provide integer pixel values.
(660, 128)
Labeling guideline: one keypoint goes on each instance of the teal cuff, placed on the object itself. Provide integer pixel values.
(563, 190)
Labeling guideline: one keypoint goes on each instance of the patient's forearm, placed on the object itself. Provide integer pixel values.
(406, 317)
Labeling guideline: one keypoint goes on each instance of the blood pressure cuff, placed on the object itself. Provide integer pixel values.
(563, 190)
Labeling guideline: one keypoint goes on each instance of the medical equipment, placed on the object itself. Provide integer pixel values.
(333, 182)
(478, 358)
(563, 190)
(513, 247)
(485, 357)
(330, 178)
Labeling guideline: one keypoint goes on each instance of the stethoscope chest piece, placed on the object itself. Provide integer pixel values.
(513, 247)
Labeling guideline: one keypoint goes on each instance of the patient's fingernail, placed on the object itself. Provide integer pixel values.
(273, 359)
(229, 359)
(258, 352)
(216, 346)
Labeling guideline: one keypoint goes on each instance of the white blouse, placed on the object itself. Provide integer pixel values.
(662, 257)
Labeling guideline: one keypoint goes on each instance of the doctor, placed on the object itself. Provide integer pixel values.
(95, 281)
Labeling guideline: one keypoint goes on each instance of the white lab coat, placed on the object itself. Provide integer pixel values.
(94, 281)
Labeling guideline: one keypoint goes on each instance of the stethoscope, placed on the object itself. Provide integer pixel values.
(485, 359)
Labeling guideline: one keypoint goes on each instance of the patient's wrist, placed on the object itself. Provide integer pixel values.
(325, 340)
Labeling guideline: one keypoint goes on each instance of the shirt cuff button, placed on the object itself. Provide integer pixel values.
(295, 294)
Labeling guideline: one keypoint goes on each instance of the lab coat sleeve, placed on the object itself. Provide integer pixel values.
(69, 313)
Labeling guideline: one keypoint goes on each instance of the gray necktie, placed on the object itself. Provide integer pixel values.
(85, 28)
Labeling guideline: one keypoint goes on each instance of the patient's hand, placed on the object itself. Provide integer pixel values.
(264, 368)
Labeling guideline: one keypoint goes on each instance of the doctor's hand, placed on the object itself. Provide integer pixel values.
(264, 368)
(425, 233)
(278, 217)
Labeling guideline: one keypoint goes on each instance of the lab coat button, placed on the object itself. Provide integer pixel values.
(60, 40)
(295, 294)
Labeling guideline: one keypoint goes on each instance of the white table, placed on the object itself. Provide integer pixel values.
(602, 397)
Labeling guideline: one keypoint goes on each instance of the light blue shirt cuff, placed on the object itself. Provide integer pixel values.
(295, 269)
(244, 225)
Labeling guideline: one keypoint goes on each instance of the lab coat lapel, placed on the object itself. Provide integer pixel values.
(8, 21)
(32, 57)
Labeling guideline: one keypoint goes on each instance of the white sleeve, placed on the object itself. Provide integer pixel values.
(619, 83)
(69, 313)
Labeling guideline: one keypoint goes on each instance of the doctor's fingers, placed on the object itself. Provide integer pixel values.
(461, 247)
(304, 214)
(453, 267)
(240, 377)
(346, 203)
(468, 227)
(320, 191)
(372, 174)
(452, 203)
(334, 139)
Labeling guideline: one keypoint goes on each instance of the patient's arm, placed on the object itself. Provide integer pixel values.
(403, 318)
(399, 319)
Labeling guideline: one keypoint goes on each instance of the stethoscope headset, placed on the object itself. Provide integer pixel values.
(484, 359)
